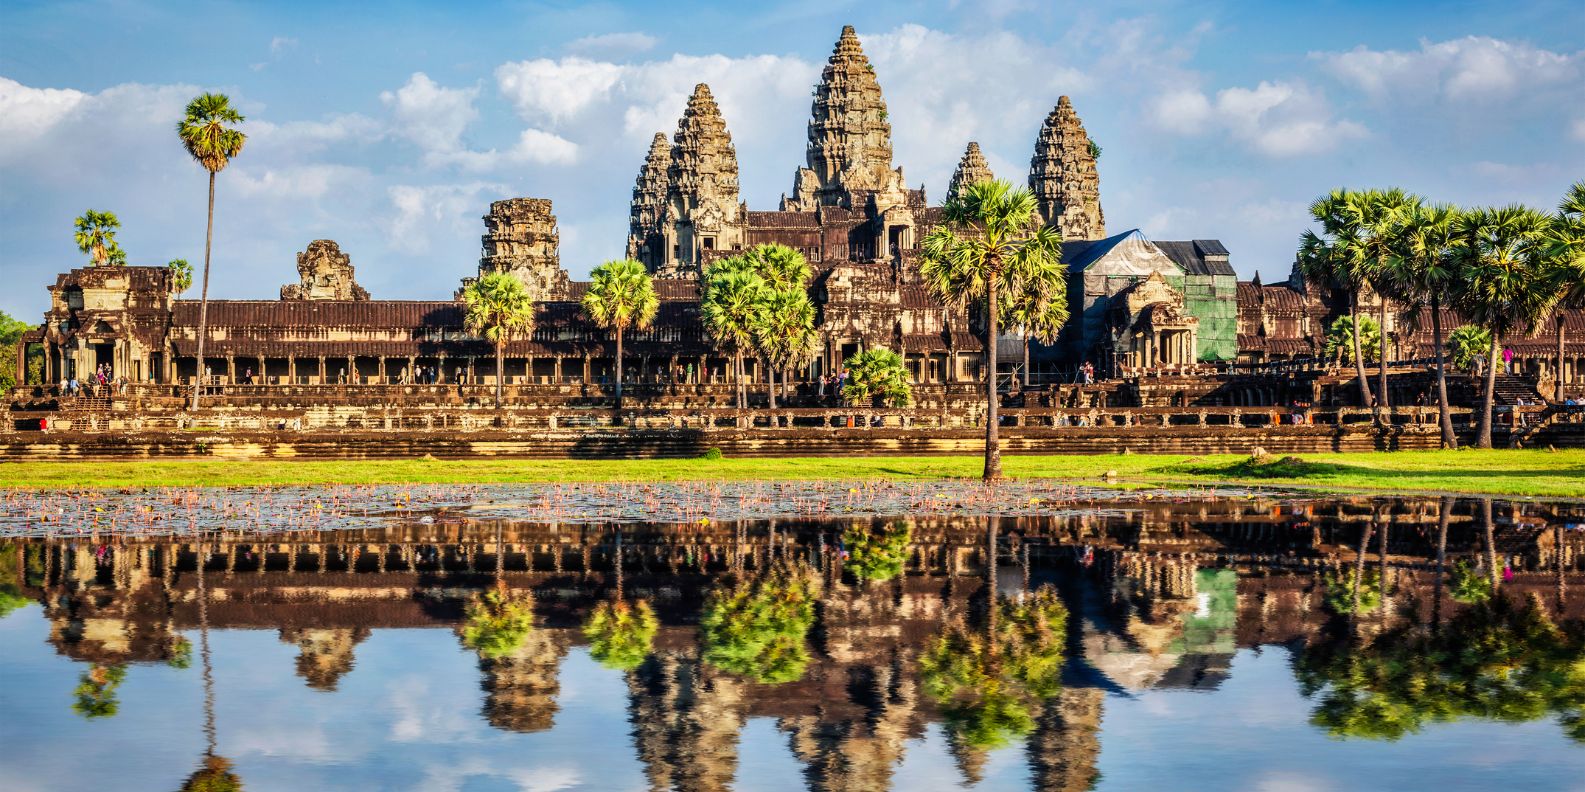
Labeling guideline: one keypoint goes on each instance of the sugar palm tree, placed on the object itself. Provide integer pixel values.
(1038, 313)
(621, 295)
(732, 304)
(498, 309)
(206, 133)
(785, 334)
(1503, 262)
(987, 251)
(96, 235)
(181, 275)
(1336, 258)
(1420, 270)
(1383, 213)
(1568, 270)
(781, 266)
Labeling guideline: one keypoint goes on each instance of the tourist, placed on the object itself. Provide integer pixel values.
(1507, 360)
(74, 387)
(1089, 373)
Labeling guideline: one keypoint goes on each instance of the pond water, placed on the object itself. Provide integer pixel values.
(690, 637)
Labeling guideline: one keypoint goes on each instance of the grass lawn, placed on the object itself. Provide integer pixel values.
(1498, 472)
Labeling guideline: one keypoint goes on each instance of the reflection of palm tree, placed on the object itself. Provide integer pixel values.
(214, 774)
(96, 690)
(758, 628)
(621, 634)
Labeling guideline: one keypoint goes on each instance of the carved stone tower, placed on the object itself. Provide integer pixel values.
(703, 213)
(850, 138)
(972, 169)
(1063, 178)
(521, 239)
(645, 242)
(326, 274)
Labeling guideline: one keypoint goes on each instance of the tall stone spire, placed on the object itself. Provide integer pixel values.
(702, 208)
(1063, 178)
(850, 138)
(972, 169)
(644, 239)
(521, 239)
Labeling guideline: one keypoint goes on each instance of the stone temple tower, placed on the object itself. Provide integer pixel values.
(703, 213)
(646, 243)
(850, 138)
(521, 239)
(1063, 178)
(972, 169)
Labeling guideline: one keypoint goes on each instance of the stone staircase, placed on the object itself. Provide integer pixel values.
(1510, 389)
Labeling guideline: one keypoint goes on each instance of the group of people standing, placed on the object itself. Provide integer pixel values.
(100, 381)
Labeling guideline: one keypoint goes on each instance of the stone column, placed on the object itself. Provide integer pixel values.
(231, 369)
(322, 370)
(352, 369)
(381, 373)
(261, 369)
(558, 370)
(440, 369)
(412, 369)
(586, 369)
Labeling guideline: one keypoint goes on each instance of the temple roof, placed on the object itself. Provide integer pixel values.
(1196, 257)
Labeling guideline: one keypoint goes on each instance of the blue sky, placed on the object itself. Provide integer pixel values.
(390, 127)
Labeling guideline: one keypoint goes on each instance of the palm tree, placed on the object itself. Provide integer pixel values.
(1038, 313)
(1503, 260)
(205, 134)
(785, 334)
(96, 235)
(181, 275)
(985, 245)
(621, 295)
(1336, 257)
(1568, 268)
(498, 309)
(877, 372)
(1420, 271)
(731, 305)
(782, 267)
(1383, 214)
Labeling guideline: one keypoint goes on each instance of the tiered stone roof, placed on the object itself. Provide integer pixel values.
(649, 198)
(850, 138)
(325, 273)
(521, 238)
(972, 169)
(1063, 178)
(703, 166)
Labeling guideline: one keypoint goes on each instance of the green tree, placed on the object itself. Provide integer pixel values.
(620, 634)
(732, 305)
(498, 309)
(782, 267)
(96, 691)
(96, 236)
(621, 295)
(1504, 259)
(1341, 343)
(1384, 214)
(1039, 313)
(1468, 346)
(1337, 258)
(758, 628)
(181, 275)
(207, 133)
(11, 332)
(1420, 270)
(877, 552)
(877, 373)
(497, 622)
(785, 334)
(1568, 266)
(986, 251)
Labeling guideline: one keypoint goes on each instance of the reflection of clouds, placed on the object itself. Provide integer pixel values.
(452, 777)
(420, 715)
(277, 740)
(547, 779)
(1288, 782)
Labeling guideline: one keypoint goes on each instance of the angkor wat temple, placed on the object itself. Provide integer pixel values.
(1140, 308)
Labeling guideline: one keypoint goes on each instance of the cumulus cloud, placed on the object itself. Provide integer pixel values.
(434, 118)
(556, 90)
(614, 45)
(301, 136)
(421, 210)
(1469, 68)
(295, 182)
(280, 44)
(27, 113)
(1279, 119)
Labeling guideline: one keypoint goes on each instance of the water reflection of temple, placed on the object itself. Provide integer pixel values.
(1160, 596)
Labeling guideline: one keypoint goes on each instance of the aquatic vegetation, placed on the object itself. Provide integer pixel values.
(987, 682)
(497, 622)
(1494, 661)
(96, 691)
(1339, 586)
(621, 634)
(757, 628)
(877, 554)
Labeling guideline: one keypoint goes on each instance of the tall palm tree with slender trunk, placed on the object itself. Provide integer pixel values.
(1383, 213)
(1419, 272)
(785, 334)
(498, 309)
(1504, 258)
(1038, 313)
(96, 236)
(621, 296)
(1336, 259)
(732, 305)
(986, 251)
(1568, 270)
(206, 133)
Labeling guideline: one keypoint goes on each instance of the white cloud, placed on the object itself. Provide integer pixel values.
(422, 210)
(433, 117)
(1280, 119)
(556, 90)
(1577, 129)
(613, 44)
(298, 182)
(27, 113)
(280, 44)
(1470, 68)
(306, 135)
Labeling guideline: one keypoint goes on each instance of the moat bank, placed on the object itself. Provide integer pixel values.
(1499, 472)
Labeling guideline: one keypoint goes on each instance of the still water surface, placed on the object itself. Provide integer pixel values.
(1160, 642)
